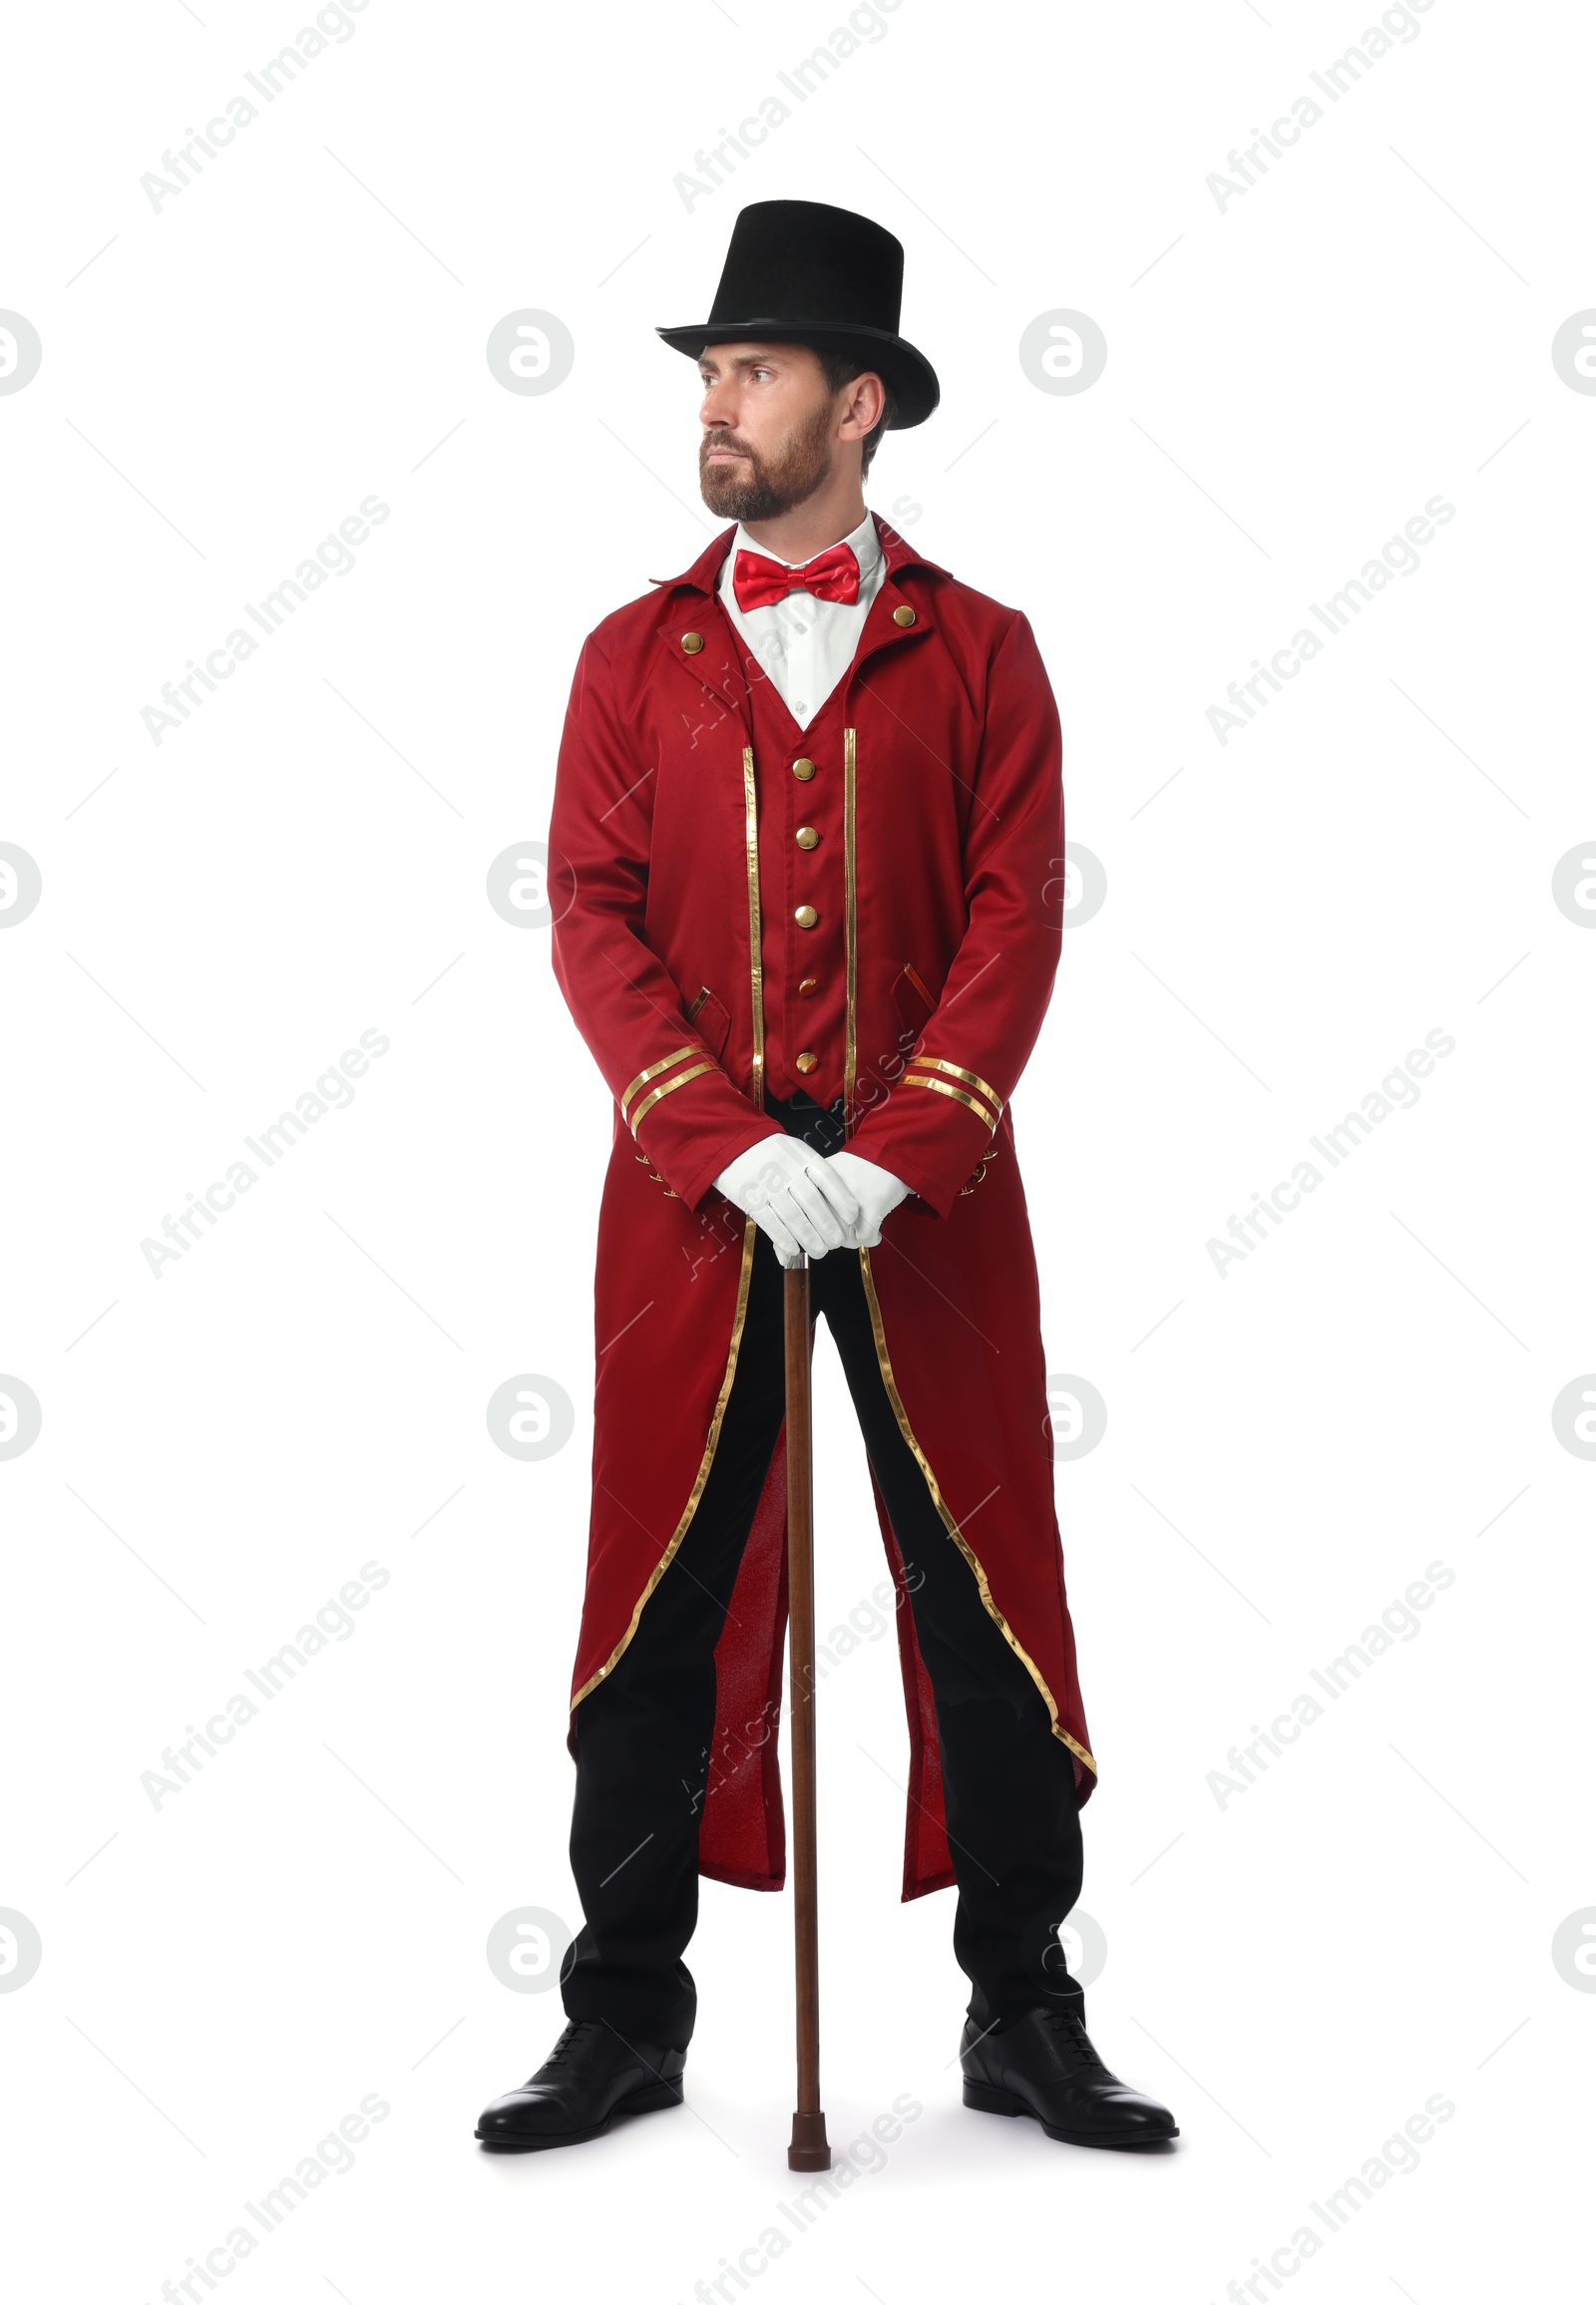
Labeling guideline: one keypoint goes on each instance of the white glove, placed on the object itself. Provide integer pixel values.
(877, 1191)
(800, 1200)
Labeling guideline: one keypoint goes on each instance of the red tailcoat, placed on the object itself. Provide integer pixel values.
(901, 959)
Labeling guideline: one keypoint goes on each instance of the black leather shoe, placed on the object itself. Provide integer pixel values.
(590, 2077)
(1043, 2064)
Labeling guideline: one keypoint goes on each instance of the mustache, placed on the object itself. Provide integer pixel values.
(714, 440)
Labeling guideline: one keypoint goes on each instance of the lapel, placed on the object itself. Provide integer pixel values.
(882, 631)
(715, 682)
(708, 679)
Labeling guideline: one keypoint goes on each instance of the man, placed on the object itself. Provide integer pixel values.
(807, 853)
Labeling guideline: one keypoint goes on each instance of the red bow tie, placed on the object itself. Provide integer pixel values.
(830, 576)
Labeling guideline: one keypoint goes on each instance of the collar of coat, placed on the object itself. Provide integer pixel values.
(705, 573)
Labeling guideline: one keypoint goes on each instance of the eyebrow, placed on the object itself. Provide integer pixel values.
(771, 359)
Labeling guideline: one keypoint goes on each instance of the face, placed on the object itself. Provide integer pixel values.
(771, 429)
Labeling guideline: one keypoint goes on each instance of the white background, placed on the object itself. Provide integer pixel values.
(1288, 1447)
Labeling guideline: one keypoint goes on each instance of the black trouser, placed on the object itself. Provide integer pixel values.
(644, 1734)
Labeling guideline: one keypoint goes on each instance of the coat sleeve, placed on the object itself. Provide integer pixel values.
(931, 1127)
(686, 1114)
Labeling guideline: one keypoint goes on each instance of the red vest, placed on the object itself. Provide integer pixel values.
(801, 778)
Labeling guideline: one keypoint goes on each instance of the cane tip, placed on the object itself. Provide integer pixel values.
(809, 2150)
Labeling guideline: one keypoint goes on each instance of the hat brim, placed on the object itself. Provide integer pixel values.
(910, 373)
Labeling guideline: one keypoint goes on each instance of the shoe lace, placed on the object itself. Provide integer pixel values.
(567, 2040)
(1072, 2031)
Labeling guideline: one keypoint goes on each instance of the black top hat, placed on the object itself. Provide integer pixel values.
(800, 272)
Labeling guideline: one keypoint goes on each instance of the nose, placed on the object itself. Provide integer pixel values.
(719, 409)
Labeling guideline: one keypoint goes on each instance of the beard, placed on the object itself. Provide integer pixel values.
(771, 485)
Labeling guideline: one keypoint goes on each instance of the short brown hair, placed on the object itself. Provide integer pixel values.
(840, 368)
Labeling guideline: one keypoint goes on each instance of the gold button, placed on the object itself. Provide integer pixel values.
(807, 1060)
(806, 915)
(809, 984)
(803, 770)
(903, 616)
(807, 837)
(691, 643)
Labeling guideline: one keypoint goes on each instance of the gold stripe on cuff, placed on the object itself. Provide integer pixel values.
(981, 1087)
(666, 1087)
(943, 1088)
(648, 1073)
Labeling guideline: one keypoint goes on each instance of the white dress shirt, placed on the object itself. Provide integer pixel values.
(805, 644)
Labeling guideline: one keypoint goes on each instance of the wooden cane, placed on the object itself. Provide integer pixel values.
(809, 2149)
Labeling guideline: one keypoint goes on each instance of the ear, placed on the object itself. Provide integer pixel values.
(866, 398)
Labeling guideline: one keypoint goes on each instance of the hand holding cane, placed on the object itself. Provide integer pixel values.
(809, 2149)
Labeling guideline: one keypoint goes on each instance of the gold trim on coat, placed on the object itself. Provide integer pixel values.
(946, 1088)
(694, 1048)
(957, 1073)
(751, 819)
(751, 1231)
(850, 1060)
(749, 1234)
(951, 1525)
(665, 1086)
